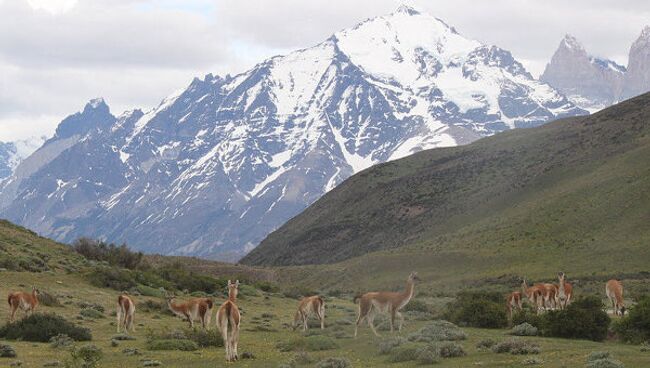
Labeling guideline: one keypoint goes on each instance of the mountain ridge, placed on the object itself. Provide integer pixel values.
(218, 165)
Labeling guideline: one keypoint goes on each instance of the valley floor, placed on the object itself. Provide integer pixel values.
(278, 310)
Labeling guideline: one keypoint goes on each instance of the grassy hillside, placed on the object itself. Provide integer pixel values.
(573, 195)
(265, 318)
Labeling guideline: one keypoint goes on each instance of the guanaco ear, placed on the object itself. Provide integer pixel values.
(237, 283)
(229, 282)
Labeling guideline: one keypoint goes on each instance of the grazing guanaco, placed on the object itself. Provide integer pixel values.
(614, 291)
(565, 291)
(125, 313)
(193, 309)
(25, 301)
(228, 319)
(308, 306)
(513, 301)
(385, 302)
(534, 294)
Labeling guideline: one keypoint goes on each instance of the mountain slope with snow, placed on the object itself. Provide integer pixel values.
(219, 165)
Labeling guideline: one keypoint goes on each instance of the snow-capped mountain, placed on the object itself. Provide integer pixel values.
(594, 83)
(589, 82)
(219, 165)
(12, 153)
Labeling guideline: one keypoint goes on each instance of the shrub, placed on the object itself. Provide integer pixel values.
(61, 341)
(524, 329)
(88, 305)
(427, 356)
(596, 355)
(301, 358)
(387, 345)
(527, 316)
(203, 338)
(635, 327)
(172, 344)
(86, 356)
(532, 361)
(485, 344)
(112, 278)
(120, 256)
(310, 343)
(42, 327)
(516, 347)
(48, 299)
(449, 349)
(91, 313)
(151, 363)
(478, 309)
(584, 318)
(438, 331)
(605, 363)
(334, 363)
(404, 353)
(7, 351)
(416, 305)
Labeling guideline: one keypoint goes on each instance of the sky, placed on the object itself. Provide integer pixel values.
(55, 55)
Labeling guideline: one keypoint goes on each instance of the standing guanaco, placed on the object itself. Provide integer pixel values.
(534, 294)
(228, 319)
(385, 302)
(308, 306)
(565, 291)
(125, 313)
(25, 301)
(513, 301)
(614, 292)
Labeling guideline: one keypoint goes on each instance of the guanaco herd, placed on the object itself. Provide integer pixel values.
(542, 296)
(547, 296)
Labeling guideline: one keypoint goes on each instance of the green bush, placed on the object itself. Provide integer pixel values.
(596, 355)
(605, 363)
(87, 356)
(334, 362)
(112, 278)
(449, 349)
(172, 344)
(478, 309)
(404, 353)
(89, 305)
(438, 331)
(416, 305)
(485, 344)
(7, 351)
(532, 361)
(91, 313)
(120, 256)
(203, 338)
(635, 327)
(42, 327)
(387, 345)
(529, 316)
(427, 356)
(48, 299)
(122, 337)
(61, 341)
(524, 329)
(582, 319)
(516, 347)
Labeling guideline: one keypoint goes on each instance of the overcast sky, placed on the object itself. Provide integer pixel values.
(55, 55)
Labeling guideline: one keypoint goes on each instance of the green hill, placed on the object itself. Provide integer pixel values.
(573, 194)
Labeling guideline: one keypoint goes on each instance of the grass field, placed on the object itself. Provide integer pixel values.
(278, 310)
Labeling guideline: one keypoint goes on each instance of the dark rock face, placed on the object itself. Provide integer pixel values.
(637, 78)
(215, 168)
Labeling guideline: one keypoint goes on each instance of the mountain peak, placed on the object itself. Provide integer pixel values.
(571, 43)
(96, 104)
(406, 9)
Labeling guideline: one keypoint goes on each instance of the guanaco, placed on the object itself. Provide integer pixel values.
(385, 302)
(125, 313)
(549, 294)
(228, 319)
(308, 306)
(534, 294)
(513, 301)
(565, 291)
(614, 292)
(193, 309)
(25, 301)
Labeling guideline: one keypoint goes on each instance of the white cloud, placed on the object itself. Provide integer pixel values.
(57, 54)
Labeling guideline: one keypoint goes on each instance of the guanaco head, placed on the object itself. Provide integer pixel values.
(296, 318)
(414, 276)
(233, 288)
(35, 291)
(169, 297)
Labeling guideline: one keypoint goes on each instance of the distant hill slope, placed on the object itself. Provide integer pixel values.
(574, 193)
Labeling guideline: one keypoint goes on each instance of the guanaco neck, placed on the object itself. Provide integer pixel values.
(232, 296)
(408, 293)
